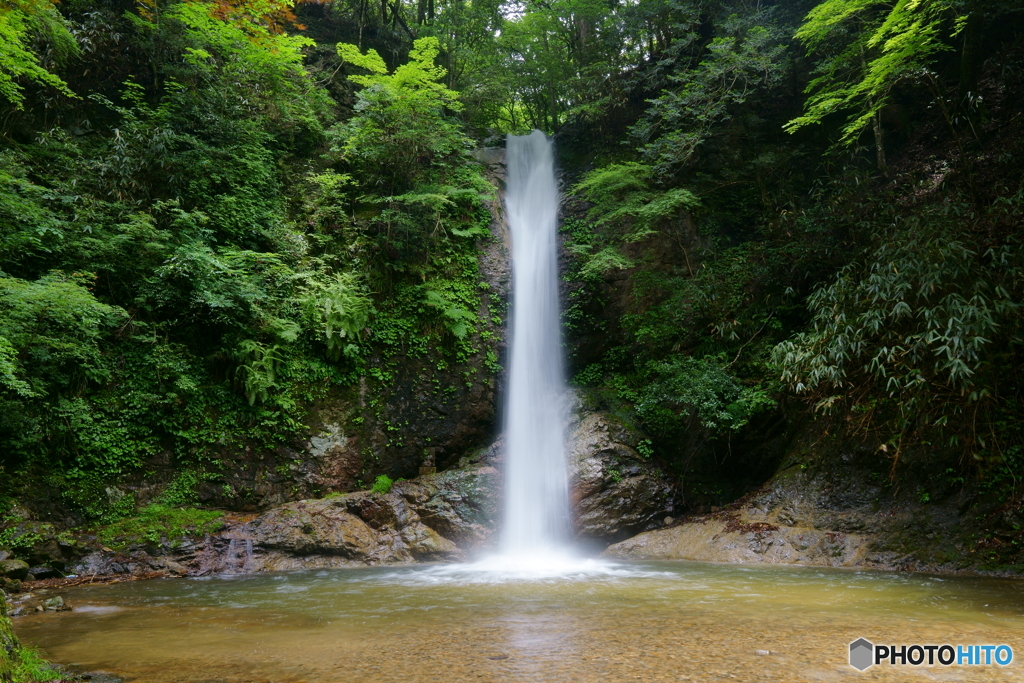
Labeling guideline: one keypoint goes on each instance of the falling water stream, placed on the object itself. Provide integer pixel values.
(536, 500)
(531, 612)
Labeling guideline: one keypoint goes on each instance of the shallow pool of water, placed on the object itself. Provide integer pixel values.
(591, 622)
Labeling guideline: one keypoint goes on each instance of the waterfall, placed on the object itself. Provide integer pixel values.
(536, 489)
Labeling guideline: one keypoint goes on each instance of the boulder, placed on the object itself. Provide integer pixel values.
(434, 518)
(830, 503)
(14, 569)
(426, 544)
(54, 604)
(317, 526)
(614, 491)
(43, 572)
(460, 505)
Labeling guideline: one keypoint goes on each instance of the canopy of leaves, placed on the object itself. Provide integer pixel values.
(400, 129)
(868, 47)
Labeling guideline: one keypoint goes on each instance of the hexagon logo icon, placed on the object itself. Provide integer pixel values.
(862, 654)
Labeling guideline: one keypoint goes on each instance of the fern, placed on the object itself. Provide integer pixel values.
(339, 310)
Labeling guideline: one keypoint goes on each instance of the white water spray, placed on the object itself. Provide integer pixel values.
(536, 488)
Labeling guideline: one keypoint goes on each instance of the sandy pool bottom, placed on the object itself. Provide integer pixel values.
(605, 622)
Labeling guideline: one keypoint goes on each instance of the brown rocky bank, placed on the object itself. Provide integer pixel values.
(832, 502)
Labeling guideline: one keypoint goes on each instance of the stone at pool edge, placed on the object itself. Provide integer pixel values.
(14, 569)
(743, 537)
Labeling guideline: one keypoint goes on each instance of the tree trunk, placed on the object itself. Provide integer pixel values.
(876, 124)
(969, 55)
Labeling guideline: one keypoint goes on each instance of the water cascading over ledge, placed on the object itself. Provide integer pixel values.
(536, 503)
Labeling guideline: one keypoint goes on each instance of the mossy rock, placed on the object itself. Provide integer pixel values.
(14, 569)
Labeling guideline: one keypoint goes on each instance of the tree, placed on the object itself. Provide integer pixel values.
(748, 58)
(19, 20)
(867, 47)
(400, 128)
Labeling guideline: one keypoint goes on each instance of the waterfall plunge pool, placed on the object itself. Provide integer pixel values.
(591, 621)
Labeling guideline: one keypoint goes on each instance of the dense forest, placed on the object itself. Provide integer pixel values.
(215, 215)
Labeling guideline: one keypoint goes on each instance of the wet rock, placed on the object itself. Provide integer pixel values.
(614, 491)
(426, 544)
(10, 585)
(460, 505)
(54, 604)
(830, 503)
(38, 573)
(438, 517)
(433, 518)
(172, 566)
(14, 569)
(317, 526)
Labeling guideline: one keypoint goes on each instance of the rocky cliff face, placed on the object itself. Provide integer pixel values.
(614, 491)
(300, 505)
(447, 516)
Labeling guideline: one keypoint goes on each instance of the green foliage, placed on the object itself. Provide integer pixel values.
(400, 129)
(915, 333)
(22, 21)
(382, 484)
(31, 667)
(339, 310)
(626, 209)
(186, 264)
(868, 47)
(16, 538)
(920, 311)
(681, 388)
(621, 191)
(51, 331)
(746, 60)
(158, 524)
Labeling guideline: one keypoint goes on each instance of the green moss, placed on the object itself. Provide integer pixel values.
(382, 484)
(157, 523)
